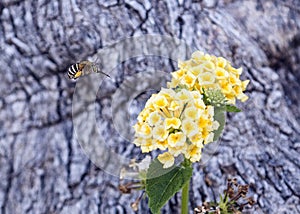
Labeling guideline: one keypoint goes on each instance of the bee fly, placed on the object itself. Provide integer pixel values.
(82, 68)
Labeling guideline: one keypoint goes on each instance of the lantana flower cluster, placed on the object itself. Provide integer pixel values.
(204, 71)
(176, 121)
(179, 120)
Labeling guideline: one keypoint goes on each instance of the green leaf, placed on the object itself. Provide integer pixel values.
(220, 117)
(162, 184)
(231, 108)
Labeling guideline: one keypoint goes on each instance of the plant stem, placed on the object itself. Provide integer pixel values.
(185, 198)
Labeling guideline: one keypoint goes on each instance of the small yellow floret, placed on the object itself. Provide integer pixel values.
(162, 145)
(189, 127)
(221, 62)
(176, 139)
(225, 86)
(160, 133)
(203, 122)
(196, 95)
(196, 70)
(138, 141)
(160, 102)
(193, 153)
(199, 104)
(172, 123)
(154, 118)
(178, 74)
(206, 78)
(197, 56)
(147, 145)
(177, 150)
(221, 73)
(243, 97)
(209, 66)
(184, 95)
(209, 138)
(189, 79)
(175, 105)
(166, 159)
(191, 113)
(144, 130)
(197, 139)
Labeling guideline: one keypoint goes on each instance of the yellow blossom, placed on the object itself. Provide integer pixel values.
(225, 86)
(206, 78)
(166, 159)
(209, 138)
(215, 125)
(178, 74)
(221, 62)
(162, 145)
(203, 122)
(184, 95)
(221, 73)
(189, 127)
(147, 145)
(175, 105)
(177, 150)
(196, 95)
(160, 133)
(242, 97)
(154, 118)
(210, 110)
(160, 102)
(199, 104)
(172, 123)
(143, 115)
(176, 139)
(197, 139)
(178, 120)
(193, 153)
(174, 83)
(183, 64)
(189, 79)
(192, 113)
(196, 70)
(169, 94)
(235, 71)
(197, 56)
(209, 66)
(138, 141)
(145, 130)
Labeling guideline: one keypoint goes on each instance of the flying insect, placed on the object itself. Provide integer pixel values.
(83, 68)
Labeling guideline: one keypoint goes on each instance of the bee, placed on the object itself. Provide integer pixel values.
(82, 68)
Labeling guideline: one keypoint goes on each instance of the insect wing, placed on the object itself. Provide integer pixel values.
(88, 68)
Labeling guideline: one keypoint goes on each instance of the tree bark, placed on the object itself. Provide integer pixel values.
(43, 168)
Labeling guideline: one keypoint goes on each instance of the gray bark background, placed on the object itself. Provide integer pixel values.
(43, 168)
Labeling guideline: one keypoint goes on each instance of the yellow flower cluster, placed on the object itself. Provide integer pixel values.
(208, 71)
(176, 122)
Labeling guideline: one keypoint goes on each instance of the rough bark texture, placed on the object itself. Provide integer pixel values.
(43, 168)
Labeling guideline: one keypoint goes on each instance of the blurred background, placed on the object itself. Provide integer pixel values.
(43, 168)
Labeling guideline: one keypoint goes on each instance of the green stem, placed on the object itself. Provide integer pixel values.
(185, 198)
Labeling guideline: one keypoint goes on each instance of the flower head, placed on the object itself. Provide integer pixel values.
(172, 121)
(208, 71)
